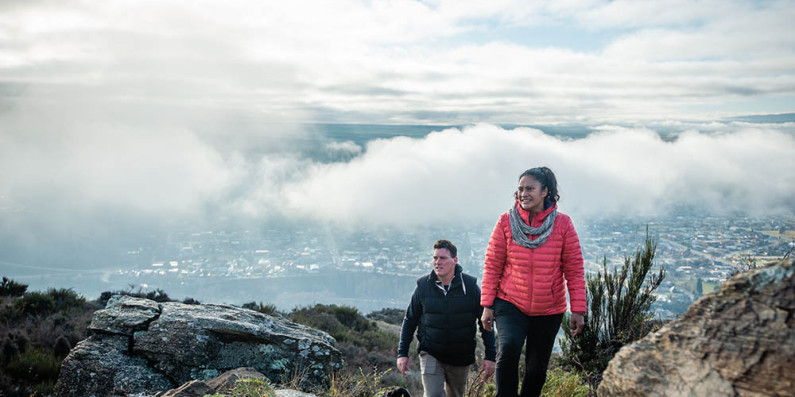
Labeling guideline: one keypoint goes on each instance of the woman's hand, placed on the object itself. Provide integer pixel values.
(487, 319)
(577, 324)
(487, 369)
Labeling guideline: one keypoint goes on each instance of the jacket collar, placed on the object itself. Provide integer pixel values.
(458, 278)
(456, 275)
(539, 216)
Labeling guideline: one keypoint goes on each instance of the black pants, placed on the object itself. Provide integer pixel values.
(514, 328)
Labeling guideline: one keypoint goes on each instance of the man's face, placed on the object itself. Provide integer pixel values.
(443, 264)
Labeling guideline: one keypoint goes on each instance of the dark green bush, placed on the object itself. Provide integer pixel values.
(8, 349)
(351, 317)
(157, 295)
(367, 350)
(341, 322)
(35, 366)
(389, 316)
(34, 303)
(66, 299)
(61, 347)
(619, 312)
(54, 300)
(12, 288)
(268, 309)
(33, 328)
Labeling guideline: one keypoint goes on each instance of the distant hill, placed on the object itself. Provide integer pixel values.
(767, 118)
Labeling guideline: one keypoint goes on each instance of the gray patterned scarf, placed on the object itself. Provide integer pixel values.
(520, 230)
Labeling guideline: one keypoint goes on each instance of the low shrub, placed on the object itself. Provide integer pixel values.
(36, 367)
(61, 347)
(37, 330)
(389, 316)
(66, 299)
(249, 387)
(564, 384)
(341, 322)
(12, 288)
(356, 384)
(368, 351)
(34, 303)
(157, 295)
(268, 309)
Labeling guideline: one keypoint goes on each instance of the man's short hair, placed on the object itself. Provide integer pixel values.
(447, 244)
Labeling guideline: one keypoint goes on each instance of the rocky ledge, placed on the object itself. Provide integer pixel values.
(141, 347)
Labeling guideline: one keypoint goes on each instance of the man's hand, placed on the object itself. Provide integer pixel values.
(487, 369)
(577, 324)
(403, 364)
(487, 319)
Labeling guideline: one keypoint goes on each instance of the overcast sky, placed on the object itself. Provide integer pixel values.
(152, 108)
(405, 61)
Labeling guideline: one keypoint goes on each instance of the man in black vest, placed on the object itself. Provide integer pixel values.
(445, 309)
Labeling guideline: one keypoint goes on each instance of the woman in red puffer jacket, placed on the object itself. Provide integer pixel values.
(534, 255)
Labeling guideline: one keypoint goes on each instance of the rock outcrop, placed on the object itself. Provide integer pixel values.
(142, 347)
(738, 341)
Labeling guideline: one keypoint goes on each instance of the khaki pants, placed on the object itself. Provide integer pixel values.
(442, 380)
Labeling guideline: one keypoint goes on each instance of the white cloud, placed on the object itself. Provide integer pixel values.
(470, 174)
(68, 170)
(90, 163)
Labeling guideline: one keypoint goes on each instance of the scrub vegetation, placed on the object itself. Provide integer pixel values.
(37, 330)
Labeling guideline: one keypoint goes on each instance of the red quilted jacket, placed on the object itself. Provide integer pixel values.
(534, 280)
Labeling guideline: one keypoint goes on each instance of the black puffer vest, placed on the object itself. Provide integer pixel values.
(448, 324)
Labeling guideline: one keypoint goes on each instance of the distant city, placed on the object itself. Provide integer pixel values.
(373, 269)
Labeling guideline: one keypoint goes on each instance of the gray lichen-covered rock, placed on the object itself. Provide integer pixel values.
(124, 316)
(739, 341)
(142, 347)
(99, 366)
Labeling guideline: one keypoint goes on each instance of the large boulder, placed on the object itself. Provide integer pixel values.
(739, 341)
(142, 347)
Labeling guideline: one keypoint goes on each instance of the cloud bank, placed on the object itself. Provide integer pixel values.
(471, 173)
(69, 175)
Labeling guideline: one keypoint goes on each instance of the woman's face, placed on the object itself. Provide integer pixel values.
(530, 194)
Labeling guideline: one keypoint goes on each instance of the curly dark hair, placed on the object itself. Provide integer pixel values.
(547, 179)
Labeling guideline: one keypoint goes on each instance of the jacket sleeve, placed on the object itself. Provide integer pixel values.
(495, 261)
(573, 270)
(489, 341)
(410, 321)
